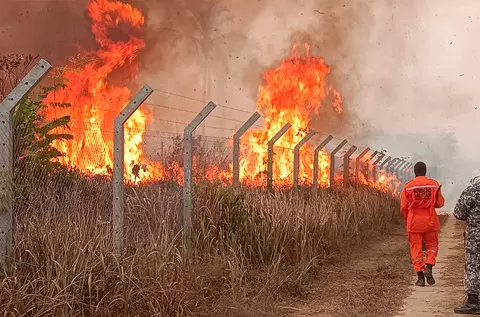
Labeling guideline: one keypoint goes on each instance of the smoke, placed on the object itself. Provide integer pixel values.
(229, 44)
(406, 69)
(53, 29)
(419, 71)
(196, 49)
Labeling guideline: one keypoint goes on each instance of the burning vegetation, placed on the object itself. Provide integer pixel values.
(96, 101)
(253, 251)
(291, 93)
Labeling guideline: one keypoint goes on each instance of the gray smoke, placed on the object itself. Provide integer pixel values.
(406, 69)
(420, 68)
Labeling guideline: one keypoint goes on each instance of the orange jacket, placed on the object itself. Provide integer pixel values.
(420, 197)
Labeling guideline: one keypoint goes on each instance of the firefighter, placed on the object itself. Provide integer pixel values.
(468, 209)
(420, 197)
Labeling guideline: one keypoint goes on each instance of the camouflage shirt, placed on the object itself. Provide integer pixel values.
(468, 209)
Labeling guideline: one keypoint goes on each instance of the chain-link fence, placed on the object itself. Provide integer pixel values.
(147, 183)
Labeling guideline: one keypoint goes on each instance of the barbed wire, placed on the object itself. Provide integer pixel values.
(155, 134)
(184, 124)
(146, 103)
(195, 112)
(199, 100)
(109, 97)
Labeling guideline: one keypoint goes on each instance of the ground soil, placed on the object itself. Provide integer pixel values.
(440, 300)
(377, 280)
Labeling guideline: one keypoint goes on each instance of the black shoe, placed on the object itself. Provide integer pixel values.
(429, 274)
(471, 306)
(421, 279)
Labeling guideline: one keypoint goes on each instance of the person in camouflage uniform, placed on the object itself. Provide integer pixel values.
(468, 209)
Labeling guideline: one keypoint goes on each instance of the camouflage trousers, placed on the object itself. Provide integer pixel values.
(472, 262)
(472, 272)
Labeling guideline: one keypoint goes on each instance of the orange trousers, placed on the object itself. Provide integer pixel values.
(431, 242)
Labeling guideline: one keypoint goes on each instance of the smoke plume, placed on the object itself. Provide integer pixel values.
(406, 69)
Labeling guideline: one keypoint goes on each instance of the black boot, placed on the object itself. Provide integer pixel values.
(429, 274)
(421, 279)
(471, 306)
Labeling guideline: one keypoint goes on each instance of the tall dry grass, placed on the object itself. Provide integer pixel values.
(251, 248)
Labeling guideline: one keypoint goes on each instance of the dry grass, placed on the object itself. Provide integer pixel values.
(251, 249)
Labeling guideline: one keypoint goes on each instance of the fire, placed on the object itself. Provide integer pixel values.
(96, 101)
(293, 91)
(384, 182)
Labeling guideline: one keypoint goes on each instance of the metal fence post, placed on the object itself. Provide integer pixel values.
(405, 172)
(387, 160)
(315, 160)
(371, 157)
(188, 171)
(402, 172)
(357, 163)
(369, 164)
(332, 162)
(391, 165)
(346, 165)
(398, 170)
(296, 157)
(7, 107)
(271, 143)
(374, 175)
(409, 171)
(381, 166)
(394, 170)
(119, 167)
(394, 166)
(236, 146)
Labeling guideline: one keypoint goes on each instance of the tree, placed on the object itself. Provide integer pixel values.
(34, 137)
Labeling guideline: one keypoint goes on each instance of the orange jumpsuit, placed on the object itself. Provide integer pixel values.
(420, 197)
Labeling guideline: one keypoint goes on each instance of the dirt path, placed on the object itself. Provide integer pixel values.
(377, 281)
(440, 299)
(371, 281)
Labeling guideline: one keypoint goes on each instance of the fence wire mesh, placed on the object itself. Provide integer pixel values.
(62, 167)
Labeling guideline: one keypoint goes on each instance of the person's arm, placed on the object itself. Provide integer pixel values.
(463, 206)
(404, 204)
(439, 200)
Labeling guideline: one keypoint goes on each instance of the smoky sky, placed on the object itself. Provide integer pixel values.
(407, 70)
(53, 29)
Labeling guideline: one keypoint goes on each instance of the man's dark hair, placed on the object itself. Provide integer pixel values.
(420, 169)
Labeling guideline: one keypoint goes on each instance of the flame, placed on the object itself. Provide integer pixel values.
(384, 182)
(292, 92)
(96, 101)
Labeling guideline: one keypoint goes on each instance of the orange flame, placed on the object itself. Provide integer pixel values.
(384, 182)
(292, 92)
(96, 101)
